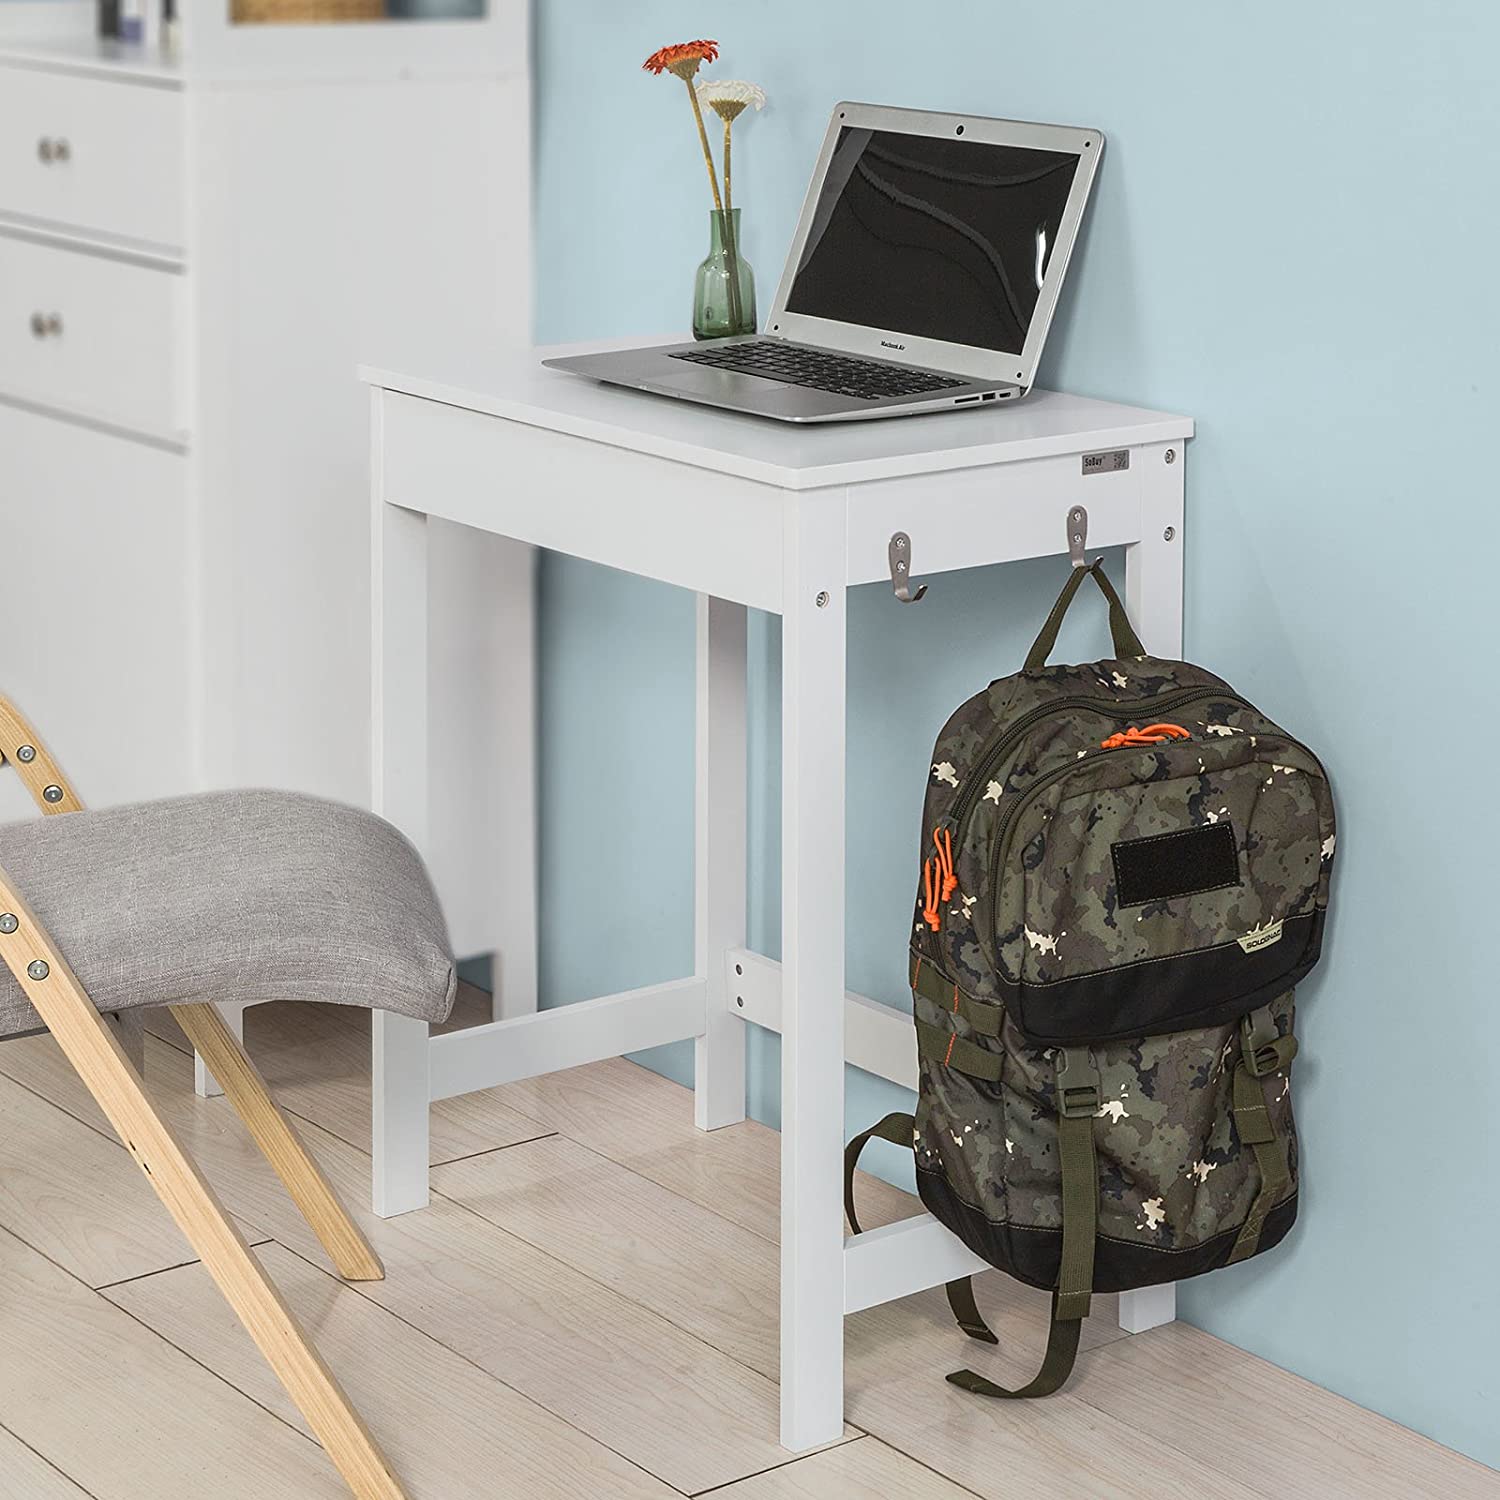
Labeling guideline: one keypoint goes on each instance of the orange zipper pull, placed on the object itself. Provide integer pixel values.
(943, 839)
(1152, 734)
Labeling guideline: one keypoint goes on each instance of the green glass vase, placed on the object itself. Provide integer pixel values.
(724, 288)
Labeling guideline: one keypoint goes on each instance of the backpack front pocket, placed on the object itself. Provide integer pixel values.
(1149, 890)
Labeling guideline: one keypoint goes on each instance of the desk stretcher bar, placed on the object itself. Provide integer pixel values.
(879, 1265)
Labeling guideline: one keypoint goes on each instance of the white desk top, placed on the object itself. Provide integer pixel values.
(513, 385)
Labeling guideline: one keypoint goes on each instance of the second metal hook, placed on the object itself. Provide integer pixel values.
(899, 554)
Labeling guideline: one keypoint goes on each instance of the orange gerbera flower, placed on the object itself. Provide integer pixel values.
(683, 58)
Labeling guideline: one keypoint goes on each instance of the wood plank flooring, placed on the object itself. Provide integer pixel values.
(588, 1309)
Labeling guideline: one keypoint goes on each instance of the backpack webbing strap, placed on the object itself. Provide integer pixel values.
(936, 1044)
(1077, 1104)
(1057, 1364)
(897, 1129)
(966, 1312)
(1263, 1054)
(1126, 641)
(983, 1015)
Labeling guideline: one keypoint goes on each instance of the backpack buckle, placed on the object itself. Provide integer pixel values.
(1263, 1052)
(1078, 1093)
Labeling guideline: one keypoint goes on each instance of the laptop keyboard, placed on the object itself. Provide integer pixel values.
(841, 374)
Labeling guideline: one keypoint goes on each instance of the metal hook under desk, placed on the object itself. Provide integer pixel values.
(1078, 535)
(899, 554)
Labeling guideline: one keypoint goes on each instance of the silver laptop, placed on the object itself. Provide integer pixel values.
(924, 274)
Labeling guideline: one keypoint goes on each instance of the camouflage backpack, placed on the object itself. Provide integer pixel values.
(1125, 872)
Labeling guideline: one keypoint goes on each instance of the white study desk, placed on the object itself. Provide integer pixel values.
(744, 512)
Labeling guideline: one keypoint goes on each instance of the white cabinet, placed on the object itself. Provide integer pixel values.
(194, 260)
(95, 627)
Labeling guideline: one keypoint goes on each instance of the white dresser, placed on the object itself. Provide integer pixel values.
(195, 256)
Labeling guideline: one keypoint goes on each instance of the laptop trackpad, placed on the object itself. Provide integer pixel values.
(719, 385)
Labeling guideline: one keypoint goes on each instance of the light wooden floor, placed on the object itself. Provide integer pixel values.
(588, 1309)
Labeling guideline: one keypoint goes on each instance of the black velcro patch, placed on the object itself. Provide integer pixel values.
(1176, 864)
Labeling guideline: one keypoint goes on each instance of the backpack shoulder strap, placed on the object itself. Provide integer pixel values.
(1077, 1104)
(897, 1129)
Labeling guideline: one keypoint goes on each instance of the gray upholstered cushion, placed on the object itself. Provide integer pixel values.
(232, 896)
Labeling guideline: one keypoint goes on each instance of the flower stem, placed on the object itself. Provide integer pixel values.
(708, 156)
(728, 138)
(731, 239)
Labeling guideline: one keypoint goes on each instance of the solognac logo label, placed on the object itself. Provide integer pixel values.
(1261, 937)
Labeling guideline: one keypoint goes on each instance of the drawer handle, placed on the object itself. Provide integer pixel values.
(46, 325)
(49, 150)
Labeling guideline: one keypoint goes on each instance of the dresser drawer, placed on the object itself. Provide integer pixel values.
(90, 334)
(92, 154)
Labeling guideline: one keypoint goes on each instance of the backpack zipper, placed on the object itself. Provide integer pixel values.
(1004, 827)
(968, 798)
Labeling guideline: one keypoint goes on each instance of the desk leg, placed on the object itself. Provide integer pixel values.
(812, 972)
(514, 637)
(481, 831)
(1153, 594)
(400, 1081)
(205, 1085)
(1153, 565)
(719, 924)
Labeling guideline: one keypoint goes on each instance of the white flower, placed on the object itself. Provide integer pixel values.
(728, 96)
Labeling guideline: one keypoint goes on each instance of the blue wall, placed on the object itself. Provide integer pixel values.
(1293, 239)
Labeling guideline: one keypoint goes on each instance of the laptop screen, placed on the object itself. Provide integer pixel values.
(935, 237)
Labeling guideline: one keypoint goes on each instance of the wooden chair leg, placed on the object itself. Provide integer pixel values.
(91, 1047)
(277, 1138)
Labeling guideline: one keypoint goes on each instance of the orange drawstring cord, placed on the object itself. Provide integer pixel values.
(1152, 734)
(938, 879)
(943, 839)
(931, 887)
